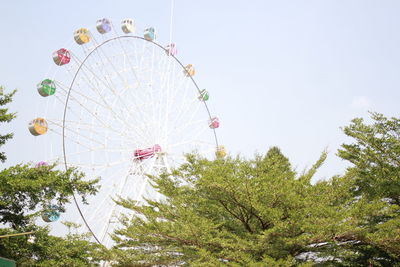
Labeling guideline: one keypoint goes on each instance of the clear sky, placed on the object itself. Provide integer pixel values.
(280, 73)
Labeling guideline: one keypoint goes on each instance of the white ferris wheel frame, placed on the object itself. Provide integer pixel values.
(159, 162)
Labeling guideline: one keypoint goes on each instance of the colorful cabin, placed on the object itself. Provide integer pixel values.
(38, 126)
(141, 154)
(103, 26)
(213, 123)
(51, 214)
(171, 49)
(220, 153)
(41, 164)
(46, 87)
(150, 34)
(204, 95)
(82, 36)
(189, 70)
(128, 26)
(61, 57)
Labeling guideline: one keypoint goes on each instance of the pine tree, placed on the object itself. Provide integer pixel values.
(5, 116)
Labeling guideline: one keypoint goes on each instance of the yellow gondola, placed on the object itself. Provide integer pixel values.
(82, 36)
(189, 70)
(220, 153)
(38, 126)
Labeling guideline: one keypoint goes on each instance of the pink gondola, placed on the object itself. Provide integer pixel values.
(213, 123)
(61, 57)
(141, 154)
(171, 49)
(41, 163)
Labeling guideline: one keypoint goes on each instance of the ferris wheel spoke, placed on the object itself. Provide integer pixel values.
(97, 166)
(70, 139)
(109, 86)
(129, 61)
(96, 116)
(100, 148)
(110, 192)
(77, 125)
(164, 90)
(91, 150)
(194, 141)
(196, 134)
(103, 126)
(76, 132)
(138, 131)
(189, 120)
(189, 125)
(184, 110)
(112, 212)
(91, 126)
(182, 82)
(169, 97)
(113, 66)
(140, 63)
(93, 88)
(94, 84)
(65, 92)
(101, 201)
(184, 106)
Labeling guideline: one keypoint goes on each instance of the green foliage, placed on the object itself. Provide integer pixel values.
(44, 250)
(5, 116)
(232, 212)
(24, 190)
(259, 212)
(226, 212)
(375, 157)
(375, 174)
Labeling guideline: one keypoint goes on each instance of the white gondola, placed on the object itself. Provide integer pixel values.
(128, 26)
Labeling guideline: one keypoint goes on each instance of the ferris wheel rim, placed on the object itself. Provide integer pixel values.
(80, 65)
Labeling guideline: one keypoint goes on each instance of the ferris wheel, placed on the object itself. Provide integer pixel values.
(124, 107)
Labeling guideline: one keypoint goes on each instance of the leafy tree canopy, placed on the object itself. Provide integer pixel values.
(44, 250)
(232, 212)
(25, 192)
(260, 212)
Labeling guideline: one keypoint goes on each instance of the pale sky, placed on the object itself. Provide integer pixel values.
(280, 73)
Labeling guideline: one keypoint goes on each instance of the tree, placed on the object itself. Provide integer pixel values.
(44, 250)
(25, 191)
(233, 212)
(25, 188)
(375, 174)
(362, 222)
(260, 212)
(5, 116)
(375, 157)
